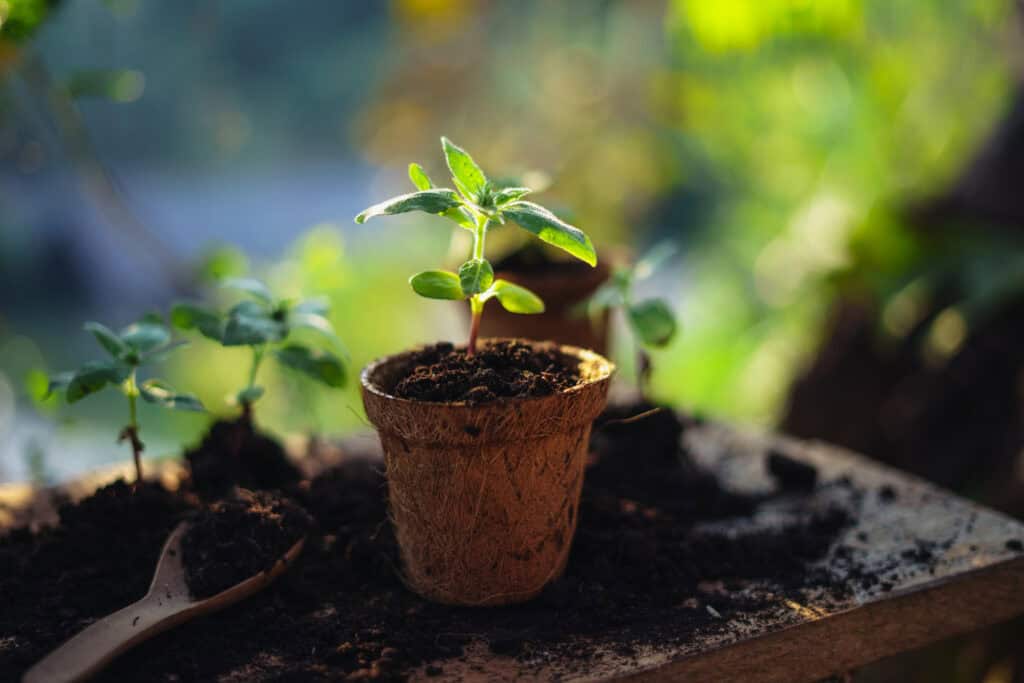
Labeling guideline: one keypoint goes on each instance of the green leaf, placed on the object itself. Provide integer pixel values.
(460, 215)
(419, 177)
(160, 354)
(320, 365)
(249, 395)
(515, 299)
(93, 376)
(551, 229)
(311, 321)
(475, 276)
(249, 324)
(464, 170)
(146, 335)
(510, 194)
(429, 201)
(159, 392)
(437, 284)
(108, 339)
(316, 306)
(187, 316)
(655, 257)
(653, 322)
(250, 286)
(58, 382)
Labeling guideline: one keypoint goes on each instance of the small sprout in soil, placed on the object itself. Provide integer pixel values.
(651, 321)
(476, 204)
(140, 344)
(264, 324)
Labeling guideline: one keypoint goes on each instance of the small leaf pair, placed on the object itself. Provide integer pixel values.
(262, 321)
(476, 280)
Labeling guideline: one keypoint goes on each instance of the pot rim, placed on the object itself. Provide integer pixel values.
(606, 370)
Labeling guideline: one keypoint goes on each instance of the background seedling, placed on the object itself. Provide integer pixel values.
(265, 324)
(651, 321)
(142, 343)
(475, 205)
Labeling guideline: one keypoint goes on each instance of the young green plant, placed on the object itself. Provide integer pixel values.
(651, 321)
(476, 204)
(265, 325)
(140, 344)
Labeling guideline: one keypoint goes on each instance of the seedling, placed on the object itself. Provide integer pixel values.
(476, 204)
(651, 321)
(140, 344)
(264, 324)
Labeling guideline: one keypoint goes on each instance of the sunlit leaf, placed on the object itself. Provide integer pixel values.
(159, 392)
(429, 201)
(108, 339)
(516, 299)
(510, 194)
(475, 276)
(186, 316)
(320, 365)
(317, 306)
(437, 284)
(250, 286)
(652, 321)
(312, 321)
(419, 177)
(160, 354)
(551, 229)
(464, 170)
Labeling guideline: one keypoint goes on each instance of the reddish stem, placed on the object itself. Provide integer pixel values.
(131, 435)
(474, 330)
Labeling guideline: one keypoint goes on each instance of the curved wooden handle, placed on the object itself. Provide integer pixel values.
(92, 649)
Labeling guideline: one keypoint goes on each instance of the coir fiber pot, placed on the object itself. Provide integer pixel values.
(562, 288)
(484, 498)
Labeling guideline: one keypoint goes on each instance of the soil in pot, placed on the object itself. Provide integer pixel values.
(506, 369)
(639, 572)
(233, 540)
(234, 453)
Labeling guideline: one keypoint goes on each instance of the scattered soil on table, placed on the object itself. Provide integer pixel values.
(441, 373)
(100, 558)
(234, 540)
(234, 453)
(653, 562)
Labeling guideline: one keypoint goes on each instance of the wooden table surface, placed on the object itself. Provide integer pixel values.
(973, 578)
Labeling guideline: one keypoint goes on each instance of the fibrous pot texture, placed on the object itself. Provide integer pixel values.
(484, 498)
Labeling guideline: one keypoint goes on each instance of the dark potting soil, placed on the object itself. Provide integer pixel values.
(442, 373)
(99, 558)
(234, 540)
(234, 453)
(648, 565)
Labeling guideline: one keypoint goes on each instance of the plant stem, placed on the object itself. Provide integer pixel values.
(131, 432)
(476, 306)
(257, 358)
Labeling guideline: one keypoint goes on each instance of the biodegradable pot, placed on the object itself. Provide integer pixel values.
(562, 289)
(484, 498)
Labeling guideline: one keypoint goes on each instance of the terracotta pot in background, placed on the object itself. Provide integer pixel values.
(562, 287)
(484, 499)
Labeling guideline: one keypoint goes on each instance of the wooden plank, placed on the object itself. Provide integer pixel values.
(972, 578)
